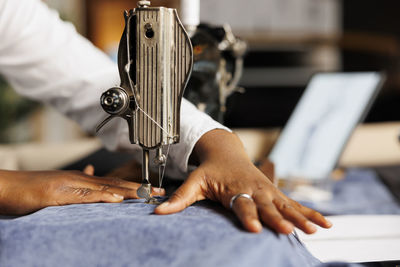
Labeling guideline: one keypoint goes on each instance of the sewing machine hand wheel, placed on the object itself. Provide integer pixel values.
(116, 102)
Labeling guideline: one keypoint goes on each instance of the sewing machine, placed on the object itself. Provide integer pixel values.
(155, 59)
(218, 57)
(218, 67)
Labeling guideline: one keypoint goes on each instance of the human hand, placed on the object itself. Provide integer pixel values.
(224, 171)
(132, 171)
(23, 192)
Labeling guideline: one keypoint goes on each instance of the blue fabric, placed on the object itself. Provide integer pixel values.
(129, 234)
(361, 192)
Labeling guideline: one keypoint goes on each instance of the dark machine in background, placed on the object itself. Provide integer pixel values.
(218, 66)
(274, 79)
(232, 84)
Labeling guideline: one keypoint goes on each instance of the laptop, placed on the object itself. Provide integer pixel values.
(313, 139)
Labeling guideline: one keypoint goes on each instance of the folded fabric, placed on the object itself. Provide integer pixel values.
(360, 192)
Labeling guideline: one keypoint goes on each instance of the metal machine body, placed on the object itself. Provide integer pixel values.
(155, 60)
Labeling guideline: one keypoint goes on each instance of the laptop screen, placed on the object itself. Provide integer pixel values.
(322, 122)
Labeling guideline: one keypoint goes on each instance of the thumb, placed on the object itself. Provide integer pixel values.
(188, 193)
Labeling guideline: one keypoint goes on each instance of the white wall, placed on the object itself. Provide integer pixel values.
(276, 16)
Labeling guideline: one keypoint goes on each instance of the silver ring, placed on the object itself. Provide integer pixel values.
(233, 199)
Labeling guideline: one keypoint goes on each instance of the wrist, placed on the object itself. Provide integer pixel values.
(3, 183)
(218, 144)
(6, 178)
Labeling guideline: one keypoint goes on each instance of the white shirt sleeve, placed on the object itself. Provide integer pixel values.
(45, 59)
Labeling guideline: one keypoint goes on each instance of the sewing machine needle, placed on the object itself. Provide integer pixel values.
(144, 191)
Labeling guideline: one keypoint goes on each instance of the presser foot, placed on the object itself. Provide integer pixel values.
(153, 201)
(144, 191)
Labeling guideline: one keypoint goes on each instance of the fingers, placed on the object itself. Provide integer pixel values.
(188, 193)
(127, 193)
(291, 214)
(270, 215)
(119, 186)
(87, 195)
(157, 191)
(282, 214)
(113, 182)
(89, 170)
(246, 211)
(127, 189)
(312, 215)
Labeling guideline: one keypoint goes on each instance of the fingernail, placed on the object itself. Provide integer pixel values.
(256, 224)
(163, 205)
(328, 223)
(158, 189)
(287, 225)
(310, 226)
(118, 196)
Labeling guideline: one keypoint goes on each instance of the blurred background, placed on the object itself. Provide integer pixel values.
(288, 41)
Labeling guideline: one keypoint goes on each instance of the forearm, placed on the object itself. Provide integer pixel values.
(12, 191)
